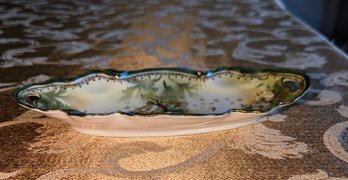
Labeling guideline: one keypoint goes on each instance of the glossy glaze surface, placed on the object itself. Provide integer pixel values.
(167, 91)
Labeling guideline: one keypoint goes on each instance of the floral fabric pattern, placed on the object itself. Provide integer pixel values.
(49, 39)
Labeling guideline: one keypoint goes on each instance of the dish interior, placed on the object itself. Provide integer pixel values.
(168, 92)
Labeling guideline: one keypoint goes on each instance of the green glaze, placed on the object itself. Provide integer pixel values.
(167, 91)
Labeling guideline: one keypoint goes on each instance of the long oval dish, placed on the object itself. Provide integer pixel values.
(163, 101)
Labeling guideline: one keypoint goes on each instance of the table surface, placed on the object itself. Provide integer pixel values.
(40, 40)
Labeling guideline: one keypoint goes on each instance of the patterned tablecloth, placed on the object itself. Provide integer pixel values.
(44, 39)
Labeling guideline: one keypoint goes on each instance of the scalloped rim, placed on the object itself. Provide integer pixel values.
(126, 74)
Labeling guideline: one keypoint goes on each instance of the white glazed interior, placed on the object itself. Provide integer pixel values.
(217, 94)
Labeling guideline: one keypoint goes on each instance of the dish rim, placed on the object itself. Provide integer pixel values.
(124, 74)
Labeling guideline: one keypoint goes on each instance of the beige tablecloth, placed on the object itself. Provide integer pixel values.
(43, 39)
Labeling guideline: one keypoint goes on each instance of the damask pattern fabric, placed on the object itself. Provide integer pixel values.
(41, 39)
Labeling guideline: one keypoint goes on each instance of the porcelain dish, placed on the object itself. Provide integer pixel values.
(163, 101)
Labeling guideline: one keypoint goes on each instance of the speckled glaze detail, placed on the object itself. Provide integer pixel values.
(166, 91)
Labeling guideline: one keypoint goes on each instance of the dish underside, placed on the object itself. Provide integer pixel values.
(120, 125)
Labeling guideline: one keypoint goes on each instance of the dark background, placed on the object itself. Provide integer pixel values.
(330, 17)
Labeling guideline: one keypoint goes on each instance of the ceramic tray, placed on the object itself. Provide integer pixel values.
(163, 102)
